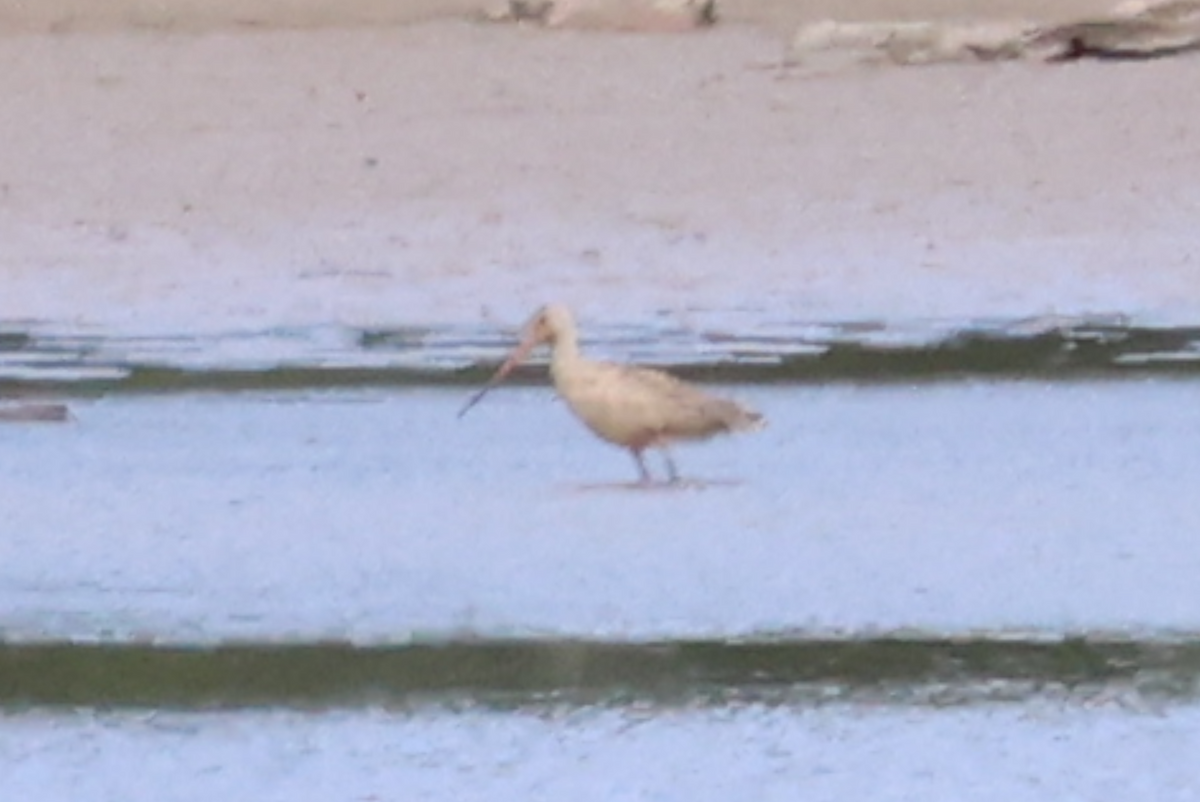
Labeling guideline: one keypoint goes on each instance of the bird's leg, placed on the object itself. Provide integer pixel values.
(643, 472)
(672, 471)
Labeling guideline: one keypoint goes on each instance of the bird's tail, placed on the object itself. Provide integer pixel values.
(745, 419)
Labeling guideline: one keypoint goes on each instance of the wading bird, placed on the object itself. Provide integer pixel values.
(631, 407)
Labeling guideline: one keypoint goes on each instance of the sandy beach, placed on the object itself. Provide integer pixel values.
(192, 166)
(200, 15)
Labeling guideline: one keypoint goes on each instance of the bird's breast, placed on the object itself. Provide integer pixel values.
(613, 407)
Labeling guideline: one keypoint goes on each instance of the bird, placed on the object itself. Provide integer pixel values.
(632, 407)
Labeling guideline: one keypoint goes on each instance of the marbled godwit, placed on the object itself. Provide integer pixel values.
(635, 408)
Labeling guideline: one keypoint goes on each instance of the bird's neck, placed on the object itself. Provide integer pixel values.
(565, 354)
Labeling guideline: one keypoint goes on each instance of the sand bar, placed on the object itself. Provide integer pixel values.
(249, 165)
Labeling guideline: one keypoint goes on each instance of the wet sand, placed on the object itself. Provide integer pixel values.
(202, 176)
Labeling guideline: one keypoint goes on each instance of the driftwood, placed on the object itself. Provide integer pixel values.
(1131, 32)
(1146, 32)
(35, 413)
(913, 42)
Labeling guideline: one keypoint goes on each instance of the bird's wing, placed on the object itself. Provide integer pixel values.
(688, 410)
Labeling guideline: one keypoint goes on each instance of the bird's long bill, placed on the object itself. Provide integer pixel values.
(515, 358)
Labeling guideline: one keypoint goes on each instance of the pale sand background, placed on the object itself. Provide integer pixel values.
(781, 15)
(195, 165)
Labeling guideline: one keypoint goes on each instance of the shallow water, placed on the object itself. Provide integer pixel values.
(896, 590)
(1007, 754)
(376, 516)
(48, 358)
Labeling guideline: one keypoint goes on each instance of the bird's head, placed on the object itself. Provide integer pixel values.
(550, 325)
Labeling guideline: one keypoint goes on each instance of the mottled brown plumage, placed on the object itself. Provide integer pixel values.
(635, 408)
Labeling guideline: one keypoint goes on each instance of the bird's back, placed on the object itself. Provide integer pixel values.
(627, 405)
(695, 412)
